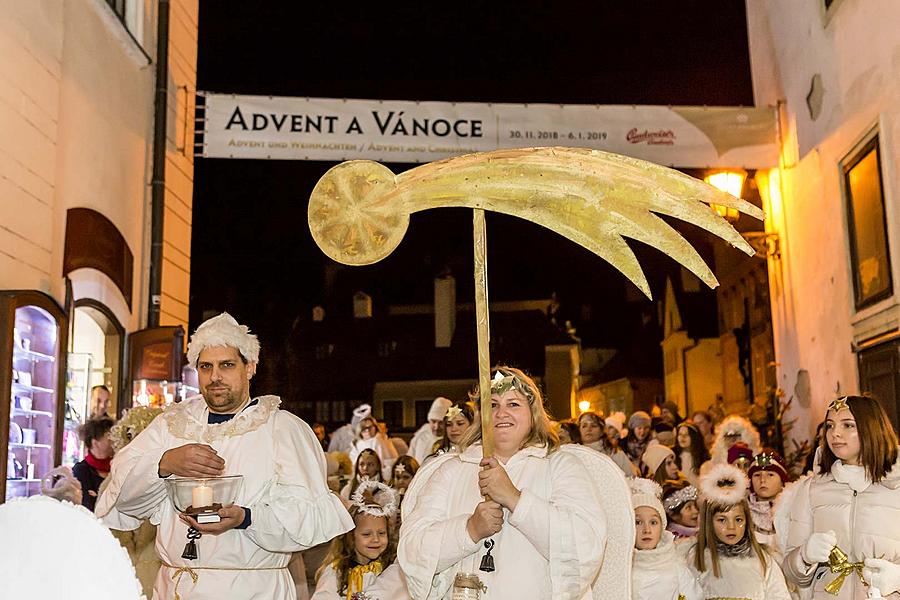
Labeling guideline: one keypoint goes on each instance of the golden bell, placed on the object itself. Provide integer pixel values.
(840, 564)
(837, 557)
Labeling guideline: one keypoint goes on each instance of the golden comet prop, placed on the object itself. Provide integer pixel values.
(359, 212)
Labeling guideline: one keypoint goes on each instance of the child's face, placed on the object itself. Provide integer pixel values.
(368, 429)
(370, 538)
(684, 438)
(766, 484)
(590, 430)
(456, 427)
(730, 526)
(671, 467)
(641, 431)
(367, 465)
(402, 479)
(688, 515)
(842, 436)
(647, 528)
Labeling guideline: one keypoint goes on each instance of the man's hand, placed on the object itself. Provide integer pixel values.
(495, 483)
(232, 516)
(191, 460)
(485, 521)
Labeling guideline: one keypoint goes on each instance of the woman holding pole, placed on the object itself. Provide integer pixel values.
(537, 507)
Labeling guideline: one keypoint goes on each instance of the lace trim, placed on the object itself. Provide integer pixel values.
(183, 424)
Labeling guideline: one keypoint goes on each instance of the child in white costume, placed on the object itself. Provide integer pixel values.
(369, 436)
(367, 467)
(362, 560)
(726, 557)
(559, 516)
(657, 572)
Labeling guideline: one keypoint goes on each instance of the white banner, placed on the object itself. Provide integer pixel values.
(266, 127)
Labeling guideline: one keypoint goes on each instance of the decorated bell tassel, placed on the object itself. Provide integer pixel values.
(840, 563)
(487, 561)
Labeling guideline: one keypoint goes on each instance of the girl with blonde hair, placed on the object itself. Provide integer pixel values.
(363, 558)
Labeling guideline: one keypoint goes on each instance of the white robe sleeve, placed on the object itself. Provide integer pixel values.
(688, 585)
(568, 529)
(135, 490)
(326, 588)
(795, 514)
(390, 585)
(297, 511)
(776, 587)
(387, 453)
(421, 443)
(571, 508)
(431, 539)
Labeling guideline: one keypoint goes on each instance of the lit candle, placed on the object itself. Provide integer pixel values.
(202, 496)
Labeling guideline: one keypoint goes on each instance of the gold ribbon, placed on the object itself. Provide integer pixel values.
(840, 563)
(355, 576)
(192, 571)
(176, 576)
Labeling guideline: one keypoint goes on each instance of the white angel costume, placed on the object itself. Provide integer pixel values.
(53, 549)
(661, 574)
(570, 536)
(382, 447)
(422, 443)
(741, 577)
(388, 585)
(284, 487)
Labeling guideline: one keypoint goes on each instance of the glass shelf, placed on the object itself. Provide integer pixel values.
(20, 412)
(32, 355)
(41, 446)
(31, 388)
(8, 481)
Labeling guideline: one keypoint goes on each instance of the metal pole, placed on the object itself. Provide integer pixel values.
(158, 183)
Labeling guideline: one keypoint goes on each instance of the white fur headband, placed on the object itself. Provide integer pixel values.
(724, 484)
(378, 509)
(223, 330)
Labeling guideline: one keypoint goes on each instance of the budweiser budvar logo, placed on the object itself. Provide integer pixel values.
(663, 137)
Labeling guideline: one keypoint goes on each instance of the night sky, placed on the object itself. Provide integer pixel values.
(252, 253)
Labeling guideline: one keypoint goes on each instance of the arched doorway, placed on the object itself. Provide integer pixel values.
(95, 359)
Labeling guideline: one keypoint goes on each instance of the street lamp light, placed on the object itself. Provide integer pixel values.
(584, 406)
(730, 181)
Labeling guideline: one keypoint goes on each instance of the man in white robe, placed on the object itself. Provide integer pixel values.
(342, 437)
(283, 506)
(422, 443)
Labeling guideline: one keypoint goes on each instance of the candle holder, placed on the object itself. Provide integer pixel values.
(467, 586)
(201, 498)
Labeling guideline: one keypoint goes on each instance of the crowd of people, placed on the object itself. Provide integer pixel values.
(712, 514)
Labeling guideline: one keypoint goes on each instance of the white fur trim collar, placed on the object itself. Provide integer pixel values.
(663, 554)
(187, 420)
